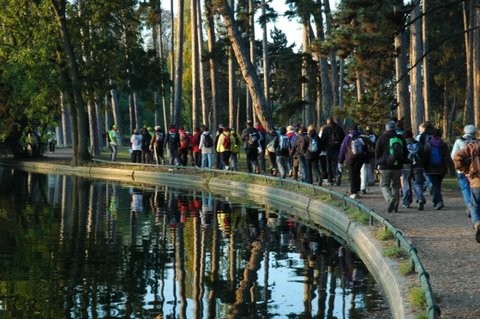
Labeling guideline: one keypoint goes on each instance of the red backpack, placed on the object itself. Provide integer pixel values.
(226, 142)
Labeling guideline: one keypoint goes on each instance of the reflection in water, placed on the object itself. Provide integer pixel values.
(75, 248)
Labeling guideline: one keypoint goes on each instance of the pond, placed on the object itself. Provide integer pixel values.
(77, 248)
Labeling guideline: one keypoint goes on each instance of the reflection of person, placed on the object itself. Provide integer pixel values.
(114, 141)
(136, 204)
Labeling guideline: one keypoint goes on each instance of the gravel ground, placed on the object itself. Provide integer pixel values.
(446, 246)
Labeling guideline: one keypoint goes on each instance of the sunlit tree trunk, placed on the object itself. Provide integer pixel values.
(416, 98)
(401, 72)
(173, 53)
(177, 109)
(210, 116)
(248, 70)
(201, 67)
(116, 113)
(426, 75)
(468, 18)
(334, 76)
(195, 61)
(266, 68)
(476, 64)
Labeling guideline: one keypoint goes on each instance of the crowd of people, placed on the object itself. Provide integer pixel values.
(404, 165)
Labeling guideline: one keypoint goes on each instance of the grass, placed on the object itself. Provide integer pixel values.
(405, 268)
(393, 251)
(416, 297)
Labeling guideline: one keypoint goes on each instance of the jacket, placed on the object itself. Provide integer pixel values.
(345, 154)
(429, 168)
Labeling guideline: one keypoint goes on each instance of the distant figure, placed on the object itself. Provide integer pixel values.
(156, 145)
(114, 140)
(146, 139)
(332, 137)
(51, 141)
(136, 140)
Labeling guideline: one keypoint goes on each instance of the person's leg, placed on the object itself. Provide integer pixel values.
(435, 189)
(385, 185)
(418, 184)
(407, 187)
(475, 211)
(282, 165)
(464, 185)
(364, 177)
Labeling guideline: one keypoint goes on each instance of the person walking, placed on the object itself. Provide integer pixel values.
(413, 173)
(436, 155)
(312, 157)
(367, 176)
(206, 147)
(146, 140)
(251, 140)
(390, 155)
(332, 137)
(114, 140)
(172, 144)
(469, 136)
(156, 145)
(353, 154)
(136, 139)
(467, 161)
(224, 148)
(282, 151)
(235, 150)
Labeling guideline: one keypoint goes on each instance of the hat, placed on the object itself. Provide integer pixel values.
(469, 129)
(390, 125)
(114, 126)
(157, 128)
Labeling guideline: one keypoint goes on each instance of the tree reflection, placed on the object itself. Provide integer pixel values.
(76, 248)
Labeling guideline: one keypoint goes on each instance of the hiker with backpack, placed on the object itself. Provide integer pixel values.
(436, 155)
(367, 176)
(235, 149)
(390, 155)
(184, 146)
(352, 154)
(298, 151)
(467, 161)
(156, 145)
(206, 147)
(282, 151)
(332, 138)
(251, 144)
(468, 137)
(270, 151)
(312, 157)
(172, 143)
(413, 178)
(224, 145)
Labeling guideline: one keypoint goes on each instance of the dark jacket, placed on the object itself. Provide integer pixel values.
(345, 154)
(382, 151)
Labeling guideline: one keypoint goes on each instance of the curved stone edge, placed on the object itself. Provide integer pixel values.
(358, 236)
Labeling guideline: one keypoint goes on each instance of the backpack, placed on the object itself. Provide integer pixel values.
(357, 146)
(207, 140)
(184, 141)
(413, 155)
(395, 151)
(172, 138)
(284, 143)
(334, 138)
(159, 138)
(252, 139)
(226, 142)
(313, 146)
(436, 156)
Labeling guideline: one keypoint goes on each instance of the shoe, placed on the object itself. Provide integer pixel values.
(421, 205)
(477, 232)
(406, 206)
(391, 206)
(364, 191)
(439, 206)
(353, 196)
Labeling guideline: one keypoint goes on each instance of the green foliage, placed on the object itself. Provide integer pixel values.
(405, 268)
(382, 233)
(416, 296)
(393, 251)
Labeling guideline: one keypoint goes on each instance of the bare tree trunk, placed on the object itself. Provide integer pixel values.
(212, 119)
(476, 64)
(80, 144)
(251, 41)
(93, 128)
(266, 68)
(401, 72)
(116, 114)
(172, 74)
(231, 87)
(248, 70)
(177, 109)
(66, 124)
(468, 19)
(416, 99)
(195, 61)
(334, 76)
(201, 68)
(426, 75)
(305, 73)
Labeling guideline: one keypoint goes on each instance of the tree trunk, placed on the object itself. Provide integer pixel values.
(476, 64)
(266, 68)
(201, 67)
(177, 108)
(80, 144)
(93, 128)
(416, 98)
(116, 114)
(334, 77)
(210, 116)
(247, 68)
(195, 61)
(468, 19)
(401, 72)
(426, 75)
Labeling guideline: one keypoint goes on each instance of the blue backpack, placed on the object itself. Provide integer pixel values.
(436, 156)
